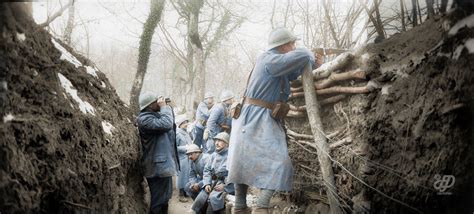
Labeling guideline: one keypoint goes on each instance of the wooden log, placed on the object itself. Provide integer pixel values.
(333, 78)
(314, 117)
(298, 135)
(338, 63)
(338, 90)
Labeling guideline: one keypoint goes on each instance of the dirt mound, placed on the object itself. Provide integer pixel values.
(67, 140)
(407, 136)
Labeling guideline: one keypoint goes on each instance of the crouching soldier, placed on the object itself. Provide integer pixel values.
(198, 162)
(214, 180)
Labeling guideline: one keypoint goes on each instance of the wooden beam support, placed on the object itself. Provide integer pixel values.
(314, 117)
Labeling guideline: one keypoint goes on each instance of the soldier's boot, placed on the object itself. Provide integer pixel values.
(261, 210)
(245, 210)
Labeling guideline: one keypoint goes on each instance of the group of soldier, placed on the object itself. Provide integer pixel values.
(225, 154)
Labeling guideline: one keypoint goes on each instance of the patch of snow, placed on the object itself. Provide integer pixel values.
(65, 55)
(470, 45)
(102, 84)
(84, 106)
(399, 69)
(4, 85)
(365, 56)
(468, 21)
(107, 127)
(91, 71)
(385, 89)
(20, 36)
(8, 117)
(457, 52)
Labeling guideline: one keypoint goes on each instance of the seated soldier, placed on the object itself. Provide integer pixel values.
(198, 162)
(214, 179)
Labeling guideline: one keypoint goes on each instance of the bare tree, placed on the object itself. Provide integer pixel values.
(202, 38)
(144, 50)
(414, 13)
(430, 8)
(70, 25)
(57, 14)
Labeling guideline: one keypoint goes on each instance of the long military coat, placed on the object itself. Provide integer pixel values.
(258, 152)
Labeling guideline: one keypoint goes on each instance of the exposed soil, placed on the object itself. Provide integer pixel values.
(417, 126)
(54, 157)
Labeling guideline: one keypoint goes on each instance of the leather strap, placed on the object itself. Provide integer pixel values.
(258, 102)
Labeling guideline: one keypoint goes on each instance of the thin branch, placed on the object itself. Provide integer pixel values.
(56, 15)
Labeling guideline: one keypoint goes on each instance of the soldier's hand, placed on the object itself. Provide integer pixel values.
(219, 187)
(207, 188)
(195, 187)
(161, 102)
(205, 136)
(319, 59)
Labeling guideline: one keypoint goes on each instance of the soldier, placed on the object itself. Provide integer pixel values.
(258, 153)
(198, 162)
(159, 153)
(202, 114)
(214, 178)
(182, 141)
(220, 119)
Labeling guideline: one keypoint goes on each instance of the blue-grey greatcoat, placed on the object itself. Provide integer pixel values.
(215, 173)
(182, 140)
(159, 158)
(218, 116)
(258, 152)
(202, 114)
(196, 173)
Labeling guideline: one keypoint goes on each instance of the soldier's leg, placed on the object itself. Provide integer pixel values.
(161, 190)
(200, 201)
(240, 196)
(264, 198)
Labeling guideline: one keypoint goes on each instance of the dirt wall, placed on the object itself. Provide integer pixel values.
(416, 128)
(68, 143)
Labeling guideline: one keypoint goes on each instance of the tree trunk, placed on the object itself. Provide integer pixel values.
(429, 7)
(70, 25)
(402, 15)
(414, 13)
(443, 6)
(144, 50)
(198, 57)
(312, 108)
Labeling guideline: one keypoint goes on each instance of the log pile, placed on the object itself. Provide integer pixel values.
(331, 83)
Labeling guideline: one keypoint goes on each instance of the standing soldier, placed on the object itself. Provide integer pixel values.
(159, 153)
(258, 153)
(220, 119)
(182, 141)
(202, 114)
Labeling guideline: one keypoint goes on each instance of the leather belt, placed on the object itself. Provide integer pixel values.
(258, 102)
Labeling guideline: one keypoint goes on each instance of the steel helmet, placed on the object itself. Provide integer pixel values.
(226, 95)
(208, 95)
(180, 119)
(222, 136)
(190, 148)
(146, 98)
(280, 36)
